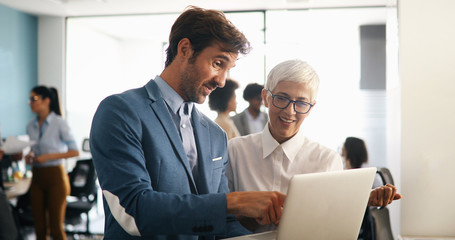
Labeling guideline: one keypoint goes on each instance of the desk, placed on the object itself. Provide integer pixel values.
(15, 189)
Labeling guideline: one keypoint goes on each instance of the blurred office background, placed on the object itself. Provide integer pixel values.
(385, 69)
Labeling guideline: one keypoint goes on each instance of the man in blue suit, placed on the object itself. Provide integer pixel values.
(160, 162)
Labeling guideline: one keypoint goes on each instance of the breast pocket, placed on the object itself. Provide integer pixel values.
(217, 172)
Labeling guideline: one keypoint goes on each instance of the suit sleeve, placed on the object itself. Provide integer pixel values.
(140, 210)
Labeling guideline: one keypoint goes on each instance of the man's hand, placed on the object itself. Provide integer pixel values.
(383, 196)
(265, 207)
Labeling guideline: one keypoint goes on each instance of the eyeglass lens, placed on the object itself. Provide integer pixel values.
(34, 98)
(283, 102)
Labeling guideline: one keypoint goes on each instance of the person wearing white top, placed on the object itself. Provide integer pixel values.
(277, 163)
(257, 123)
(268, 160)
(252, 119)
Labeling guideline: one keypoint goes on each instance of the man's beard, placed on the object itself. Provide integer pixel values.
(189, 78)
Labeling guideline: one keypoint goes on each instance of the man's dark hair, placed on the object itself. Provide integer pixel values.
(252, 90)
(203, 28)
(219, 98)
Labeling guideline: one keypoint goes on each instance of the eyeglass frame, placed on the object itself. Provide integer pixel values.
(289, 102)
(34, 98)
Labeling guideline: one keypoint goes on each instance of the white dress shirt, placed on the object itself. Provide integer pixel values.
(259, 163)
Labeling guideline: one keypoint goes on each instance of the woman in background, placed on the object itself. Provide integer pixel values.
(222, 100)
(54, 142)
(354, 152)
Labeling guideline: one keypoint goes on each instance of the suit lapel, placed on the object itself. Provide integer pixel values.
(162, 112)
(202, 137)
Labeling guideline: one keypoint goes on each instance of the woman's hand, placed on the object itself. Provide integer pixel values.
(29, 157)
(41, 158)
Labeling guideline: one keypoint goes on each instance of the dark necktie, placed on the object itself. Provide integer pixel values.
(189, 143)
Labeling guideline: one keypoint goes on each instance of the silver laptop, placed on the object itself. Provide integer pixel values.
(328, 205)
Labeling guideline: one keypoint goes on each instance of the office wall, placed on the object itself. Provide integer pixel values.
(51, 57)
(427, 60)
(393, 115)
(18, 68)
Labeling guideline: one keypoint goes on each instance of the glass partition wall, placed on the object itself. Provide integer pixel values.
(107, 55)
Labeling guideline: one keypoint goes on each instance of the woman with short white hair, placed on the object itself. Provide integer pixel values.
(266, 161)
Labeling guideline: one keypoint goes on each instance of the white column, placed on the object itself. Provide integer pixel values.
(427, 73)
(51, 55)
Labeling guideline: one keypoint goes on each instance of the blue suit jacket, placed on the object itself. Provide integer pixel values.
(148, 189)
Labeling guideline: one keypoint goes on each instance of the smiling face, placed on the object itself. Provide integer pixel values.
(201, 75)
(285, 123)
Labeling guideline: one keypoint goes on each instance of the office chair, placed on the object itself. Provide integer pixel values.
(84, 190)
(86, 145)
(383, 229)
(23, 216)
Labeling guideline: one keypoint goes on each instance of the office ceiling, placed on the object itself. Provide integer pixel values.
(123, 7)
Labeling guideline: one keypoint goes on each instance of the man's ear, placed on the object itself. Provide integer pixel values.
(184, 48)
(264, 97)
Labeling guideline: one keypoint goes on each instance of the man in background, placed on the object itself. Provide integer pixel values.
(252, 119)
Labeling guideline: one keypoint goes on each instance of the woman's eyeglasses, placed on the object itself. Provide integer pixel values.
(34, 98)
(282, 102)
